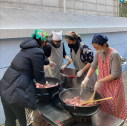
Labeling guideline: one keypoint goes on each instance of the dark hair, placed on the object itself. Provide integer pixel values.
(104, 43)
(39, 41)
(73, 38)
(100, 39)
(107, 45)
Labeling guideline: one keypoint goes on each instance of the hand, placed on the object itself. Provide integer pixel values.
(79, 73)
(69, 59)
(52, 64)
(63, 67)
(97, 86)
(84, 82)
(45, 83)
(46, 67)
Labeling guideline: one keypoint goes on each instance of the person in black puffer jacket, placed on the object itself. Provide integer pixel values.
(17, 88)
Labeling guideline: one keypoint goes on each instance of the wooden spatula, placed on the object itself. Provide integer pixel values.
(96, 100)
(92, 97)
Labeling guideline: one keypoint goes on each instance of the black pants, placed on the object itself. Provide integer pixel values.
(12, 113)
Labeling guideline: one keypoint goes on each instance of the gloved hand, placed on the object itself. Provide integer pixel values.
(79, 73)
(97, 86)
(46, 67)
(52, 64)
(84, 82)
(45, 83)
(69, 59)
(63, 67)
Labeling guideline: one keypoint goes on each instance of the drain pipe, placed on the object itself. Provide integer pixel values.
(64, 6)
(117, 8)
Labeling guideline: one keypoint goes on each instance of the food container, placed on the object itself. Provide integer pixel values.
(68, 77)
(51, 90)
(83, 111)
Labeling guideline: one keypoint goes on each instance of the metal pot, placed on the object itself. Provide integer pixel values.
(84, 111)
(68, 77)
(51, 90)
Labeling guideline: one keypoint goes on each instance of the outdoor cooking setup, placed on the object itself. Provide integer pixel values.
(46, 93)
(68, 77)
(79, 111)
(53, 108)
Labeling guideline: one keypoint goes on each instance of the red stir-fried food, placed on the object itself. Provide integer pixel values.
(76, 101)
(45, 86)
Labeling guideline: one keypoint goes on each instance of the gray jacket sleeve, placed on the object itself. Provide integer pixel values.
(95, 62)
(115, 64)
(116, 68)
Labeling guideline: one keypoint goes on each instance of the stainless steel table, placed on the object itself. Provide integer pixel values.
(51, 114)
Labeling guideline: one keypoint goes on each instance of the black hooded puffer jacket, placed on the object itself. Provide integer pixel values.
(17, 86)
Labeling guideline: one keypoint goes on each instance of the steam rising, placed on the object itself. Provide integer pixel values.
(71, 93)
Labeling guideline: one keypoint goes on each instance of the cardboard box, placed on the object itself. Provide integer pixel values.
(37, 120)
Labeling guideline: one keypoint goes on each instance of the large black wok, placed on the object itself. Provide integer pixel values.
(76, 110)
(51, 90)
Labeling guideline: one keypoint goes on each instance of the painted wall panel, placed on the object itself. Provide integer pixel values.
(10, 47)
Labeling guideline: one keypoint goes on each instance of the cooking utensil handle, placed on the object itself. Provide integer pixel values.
(93, 94)
(71, 76)
(97, 100)
(96, 103)
(92, 97)
(103, 99)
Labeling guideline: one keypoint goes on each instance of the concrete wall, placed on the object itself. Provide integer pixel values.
(21, 23)
(10, 47)
(89, 7)
(15, 23)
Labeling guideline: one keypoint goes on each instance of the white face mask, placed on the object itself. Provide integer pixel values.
(100, 51)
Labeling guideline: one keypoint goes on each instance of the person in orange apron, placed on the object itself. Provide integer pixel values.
(110, 82)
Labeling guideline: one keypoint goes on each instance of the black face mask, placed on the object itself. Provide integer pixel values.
(57, 45)
(70, 45)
